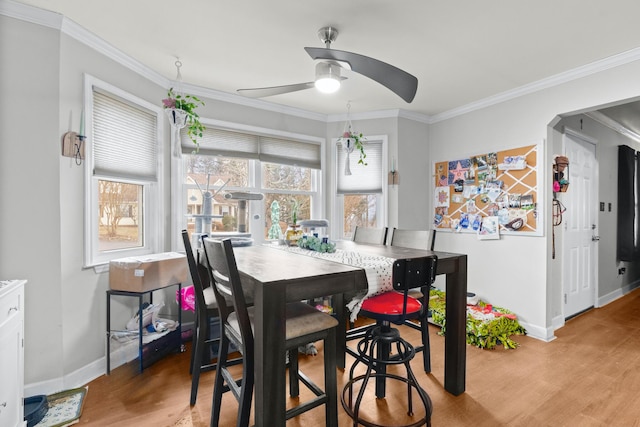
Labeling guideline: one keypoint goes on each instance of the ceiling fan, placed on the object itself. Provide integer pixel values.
(331, 61)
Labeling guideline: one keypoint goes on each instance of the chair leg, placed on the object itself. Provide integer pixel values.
(246, 393)
(218, 386)
(294, 380)
(193, 342)
(197, 358)
(426, 347)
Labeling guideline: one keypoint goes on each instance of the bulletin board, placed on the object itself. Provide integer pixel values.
(489, 194)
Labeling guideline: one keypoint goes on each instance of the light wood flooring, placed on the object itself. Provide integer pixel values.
(588, 376)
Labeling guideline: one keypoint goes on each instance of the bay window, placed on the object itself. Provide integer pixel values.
(283, 169)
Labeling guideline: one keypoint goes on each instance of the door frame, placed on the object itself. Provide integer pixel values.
(570, 133)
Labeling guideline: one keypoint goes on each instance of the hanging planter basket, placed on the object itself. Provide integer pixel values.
(349, 144)
(177, 118)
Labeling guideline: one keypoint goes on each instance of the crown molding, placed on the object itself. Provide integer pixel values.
(555, 80)
(31, 14)
(250, 102)
(379, 114)
(82, 35)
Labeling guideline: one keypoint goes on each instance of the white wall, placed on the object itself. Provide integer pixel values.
(30, 247)
(514, 272)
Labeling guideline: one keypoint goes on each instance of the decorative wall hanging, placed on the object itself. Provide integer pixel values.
(560, 183)
(352, 140)
(473, 194)
(73, 143)
(180, 110)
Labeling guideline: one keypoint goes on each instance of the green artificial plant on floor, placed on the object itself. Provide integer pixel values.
(487, 325)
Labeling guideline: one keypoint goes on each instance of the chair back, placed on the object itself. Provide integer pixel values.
(225, 280)
(371, 236)
(414, 273)
(198, 283)
(415, 239)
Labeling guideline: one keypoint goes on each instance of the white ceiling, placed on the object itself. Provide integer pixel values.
(461, 51)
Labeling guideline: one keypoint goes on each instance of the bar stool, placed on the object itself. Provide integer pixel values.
(374, 350)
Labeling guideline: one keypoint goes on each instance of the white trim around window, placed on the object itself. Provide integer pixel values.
(152, 187)
(337, 200)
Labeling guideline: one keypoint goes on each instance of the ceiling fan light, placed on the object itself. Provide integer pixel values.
(328, 85)
(327, 77)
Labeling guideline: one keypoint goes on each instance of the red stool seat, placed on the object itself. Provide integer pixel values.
(390, 304)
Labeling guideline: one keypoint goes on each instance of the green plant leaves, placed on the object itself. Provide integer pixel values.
(480, 333)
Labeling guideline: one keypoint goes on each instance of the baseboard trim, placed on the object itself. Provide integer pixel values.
(75, 379)
(543, 334)
(618, 293)
(86, 374)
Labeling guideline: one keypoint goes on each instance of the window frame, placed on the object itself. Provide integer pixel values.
(179, 210)
(152, 191)
(337, 219)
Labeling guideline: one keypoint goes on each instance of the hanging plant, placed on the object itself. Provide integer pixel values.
(185, 105)
(356, 139)
(352, 141)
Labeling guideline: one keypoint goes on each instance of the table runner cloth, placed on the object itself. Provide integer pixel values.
(378, 270)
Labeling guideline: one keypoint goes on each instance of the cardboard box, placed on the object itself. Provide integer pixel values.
(148, 272)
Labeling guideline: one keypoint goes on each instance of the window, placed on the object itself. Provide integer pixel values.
(123, 212)
(360, 197)
(231, 161)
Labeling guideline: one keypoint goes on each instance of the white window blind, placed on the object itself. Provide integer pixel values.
(364, 179)
(219, 142)
(124, 139)
(293, 153)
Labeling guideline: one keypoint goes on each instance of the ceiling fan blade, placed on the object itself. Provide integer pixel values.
(398, 81)
(261, 92)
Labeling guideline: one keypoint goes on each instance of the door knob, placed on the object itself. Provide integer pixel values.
(595, 238)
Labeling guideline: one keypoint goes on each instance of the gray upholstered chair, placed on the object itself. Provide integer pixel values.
(371, 236)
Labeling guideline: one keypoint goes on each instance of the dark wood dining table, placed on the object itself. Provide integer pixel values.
(276, 277)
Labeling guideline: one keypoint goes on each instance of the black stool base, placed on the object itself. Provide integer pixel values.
(349, 407)
(374, 352)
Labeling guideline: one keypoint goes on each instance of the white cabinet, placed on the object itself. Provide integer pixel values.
(12, 353)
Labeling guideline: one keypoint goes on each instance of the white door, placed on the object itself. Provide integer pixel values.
(580, 254)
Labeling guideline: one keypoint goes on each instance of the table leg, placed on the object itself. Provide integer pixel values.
(340, 313)
(455, 340)
(270, 405)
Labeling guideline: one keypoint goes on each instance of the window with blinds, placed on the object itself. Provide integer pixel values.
(363, 179)
(220, 142)
(282, 170)
(124, 139)
(123, 205)
(360, 197)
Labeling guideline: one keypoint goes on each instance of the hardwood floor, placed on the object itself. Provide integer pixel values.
(588, 376)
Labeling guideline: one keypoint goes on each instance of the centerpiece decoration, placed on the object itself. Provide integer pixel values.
(314, 243)
(181, 110)
(352, 140)
(294, 232)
